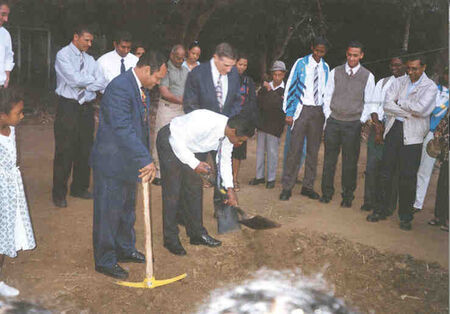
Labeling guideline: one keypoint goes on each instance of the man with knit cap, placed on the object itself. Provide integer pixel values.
(346, 106)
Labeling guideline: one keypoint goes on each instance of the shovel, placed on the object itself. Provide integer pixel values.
(228, 216)
(149, 282)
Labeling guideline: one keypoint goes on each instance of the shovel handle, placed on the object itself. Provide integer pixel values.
(148, 230)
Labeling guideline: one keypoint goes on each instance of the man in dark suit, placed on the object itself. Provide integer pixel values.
(215, 84)
(120, 157)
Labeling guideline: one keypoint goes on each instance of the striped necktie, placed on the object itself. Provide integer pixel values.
(316, 85)
(219, 92)
(219, 163)
(82, 92)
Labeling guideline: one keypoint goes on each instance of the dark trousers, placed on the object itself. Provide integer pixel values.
(178, 179)
(441, 205)
(345, 135)
(73, 129)
(310, 126)
(372, 182)
(408, 159)
(114, 217)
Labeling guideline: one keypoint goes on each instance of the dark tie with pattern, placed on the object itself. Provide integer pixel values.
(81, 94)
(316, 85)
(122, 66)
(219, 92)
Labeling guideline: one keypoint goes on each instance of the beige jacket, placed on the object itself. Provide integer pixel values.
(415, 108)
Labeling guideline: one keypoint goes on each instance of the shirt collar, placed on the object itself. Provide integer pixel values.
(313, 62)
(355, 69)
(137, 80)
(418, 81)
(119, 56)
(279, 86)
(75, 49)
(214, 68)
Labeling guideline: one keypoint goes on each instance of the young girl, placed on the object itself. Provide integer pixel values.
(16, 232)
(193, 54)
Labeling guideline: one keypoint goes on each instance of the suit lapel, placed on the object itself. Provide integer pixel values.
(211, 84)
(137, 92)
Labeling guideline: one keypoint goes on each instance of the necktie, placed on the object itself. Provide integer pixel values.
(144, 103)
(219, 92)
(316, 85)
(81, 93)
(122, 66)
(351, 72)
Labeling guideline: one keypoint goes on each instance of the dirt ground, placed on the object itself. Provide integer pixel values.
(373, 267)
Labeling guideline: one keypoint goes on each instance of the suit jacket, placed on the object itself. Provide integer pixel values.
(200, 93)
(121, 146)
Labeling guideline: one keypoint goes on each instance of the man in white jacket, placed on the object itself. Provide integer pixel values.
(408, 105)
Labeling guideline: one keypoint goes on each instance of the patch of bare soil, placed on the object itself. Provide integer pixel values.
(367, 274)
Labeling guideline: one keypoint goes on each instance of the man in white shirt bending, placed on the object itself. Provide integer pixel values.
(177, 143)
(120, 59)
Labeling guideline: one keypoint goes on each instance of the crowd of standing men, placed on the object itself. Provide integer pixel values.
(211, 109)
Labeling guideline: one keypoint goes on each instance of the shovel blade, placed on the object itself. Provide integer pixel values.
(227, 219)
(258, 222)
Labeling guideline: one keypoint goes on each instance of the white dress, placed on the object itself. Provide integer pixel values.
(16, 232)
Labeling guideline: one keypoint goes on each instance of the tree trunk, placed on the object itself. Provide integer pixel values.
(287, 39)
(322, 29)
(407, 29)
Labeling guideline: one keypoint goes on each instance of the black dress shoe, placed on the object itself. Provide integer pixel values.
(156, 181)
(255, 181)
(374, 217)
(135, 257)
(175, 248)
(115, 271)
(285, 195)
(61, 203)
(346, 202)
(325, 199)
(270, 184)
(310, 193)
(205, 239)
(366, 207)
(405, 225)
(83, 194)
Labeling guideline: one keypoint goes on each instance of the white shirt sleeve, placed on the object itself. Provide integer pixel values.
(329, 90)
(9, 54)
(368, 98)
(225, 164)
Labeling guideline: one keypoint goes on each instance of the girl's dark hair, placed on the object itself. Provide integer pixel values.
(194, 44)
(243, 126)
(242, 55)
(8, 98)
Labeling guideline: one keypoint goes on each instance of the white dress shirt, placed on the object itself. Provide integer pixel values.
(70, 80)
(308, 97)
(379, 95)
(200, 131)
(6, 54)
(368, 93)
(224, 79)
(275, 88)
(110, 63)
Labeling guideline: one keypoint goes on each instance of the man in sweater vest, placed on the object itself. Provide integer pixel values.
(408, 105)
(303, 99)
(346, 105)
